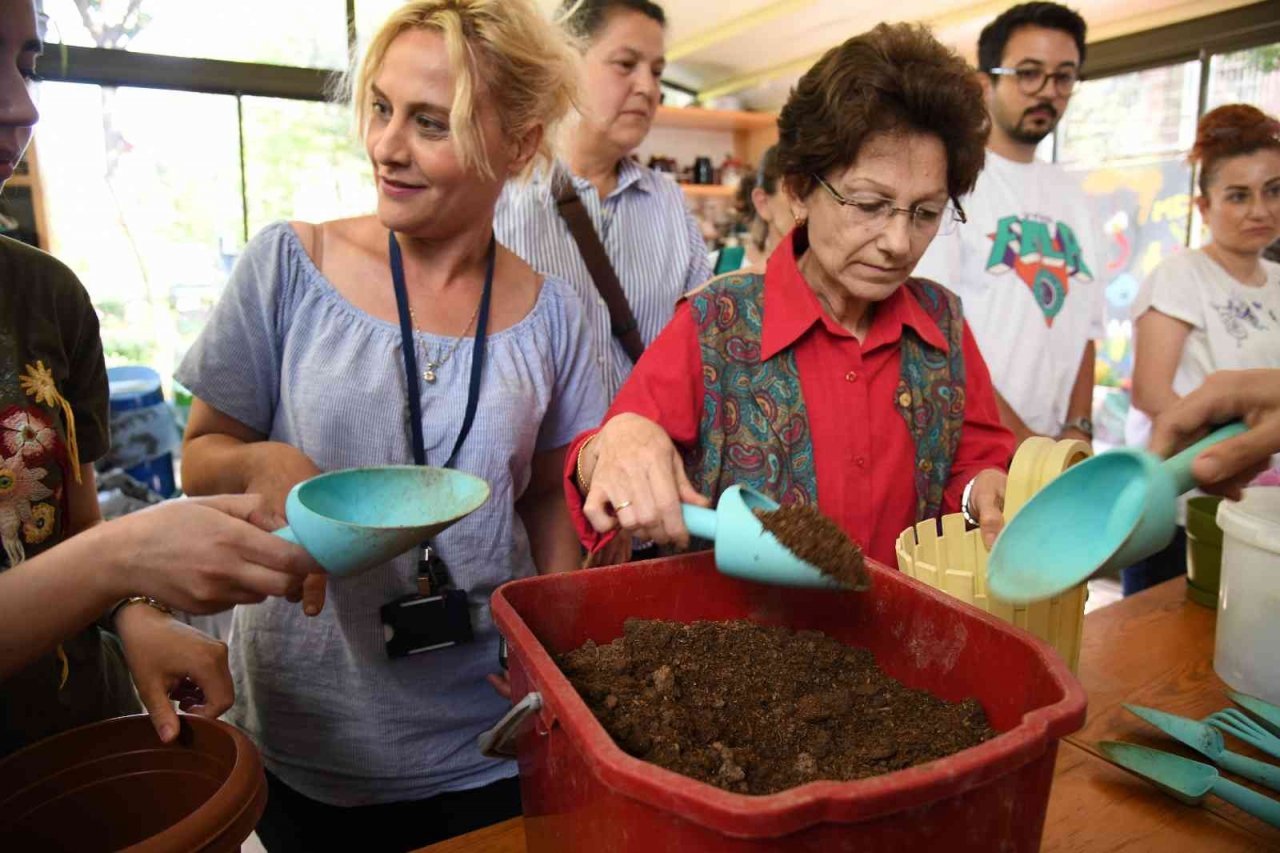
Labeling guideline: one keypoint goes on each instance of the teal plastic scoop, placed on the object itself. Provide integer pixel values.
(1187, 780)
(353, 520)
(1104, 513)
(742, 546)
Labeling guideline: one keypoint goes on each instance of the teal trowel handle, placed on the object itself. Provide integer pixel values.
(286, 533)
(1263, 808)
(1250, 768)
(1180, 466)
(700, 520)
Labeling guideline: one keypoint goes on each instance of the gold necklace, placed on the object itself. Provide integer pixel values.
(429, 366)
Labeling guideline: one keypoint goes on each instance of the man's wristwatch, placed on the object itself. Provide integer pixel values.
(1080, 424)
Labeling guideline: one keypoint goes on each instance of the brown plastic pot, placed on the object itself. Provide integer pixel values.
(114, 786)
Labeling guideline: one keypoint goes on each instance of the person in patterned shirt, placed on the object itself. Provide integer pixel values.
(71, 629)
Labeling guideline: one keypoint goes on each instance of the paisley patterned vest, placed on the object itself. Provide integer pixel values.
(755, 429)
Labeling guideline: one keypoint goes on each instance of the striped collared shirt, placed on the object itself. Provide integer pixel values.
(652, 241)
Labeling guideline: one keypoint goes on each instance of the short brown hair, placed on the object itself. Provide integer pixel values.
(1231, 131)
(896, 77)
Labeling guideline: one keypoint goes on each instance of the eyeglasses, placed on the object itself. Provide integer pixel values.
(873, 211)
(1031, 79)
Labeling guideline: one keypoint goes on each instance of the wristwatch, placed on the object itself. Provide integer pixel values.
(1081, 424)
(137, 599)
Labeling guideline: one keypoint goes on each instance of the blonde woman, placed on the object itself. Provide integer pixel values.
(406, 336)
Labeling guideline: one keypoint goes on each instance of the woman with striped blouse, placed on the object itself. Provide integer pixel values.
(653, 244)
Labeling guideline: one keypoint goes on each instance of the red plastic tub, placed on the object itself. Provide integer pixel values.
(583, 793)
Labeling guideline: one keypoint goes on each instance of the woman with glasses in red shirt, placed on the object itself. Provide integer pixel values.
(834, 378)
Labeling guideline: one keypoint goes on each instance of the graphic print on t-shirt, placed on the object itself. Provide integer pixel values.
(1044, 254)
(1239, 317)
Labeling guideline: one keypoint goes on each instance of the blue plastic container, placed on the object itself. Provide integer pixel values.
(143, 434)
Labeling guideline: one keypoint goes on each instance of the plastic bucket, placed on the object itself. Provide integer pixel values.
(143, 433)
(114, 786)
(583, 794)
(956, 561)
(1204, 550)
(1249, 594)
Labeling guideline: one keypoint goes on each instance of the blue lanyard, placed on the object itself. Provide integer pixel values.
(411, 353)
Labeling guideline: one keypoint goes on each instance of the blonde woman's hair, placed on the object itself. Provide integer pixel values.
(525, 62)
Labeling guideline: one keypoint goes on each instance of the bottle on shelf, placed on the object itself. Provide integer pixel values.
(703, 171)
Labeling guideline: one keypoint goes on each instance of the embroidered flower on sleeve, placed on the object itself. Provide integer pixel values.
(39, 383)
(25, 432)
(19, 486)
(41, 525)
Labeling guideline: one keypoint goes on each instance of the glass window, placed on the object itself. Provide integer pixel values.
(1145, 114)
(302, 161)
(370, 15)
(306, 33)
(1137, 180)
(1247, 77)
(143, 191)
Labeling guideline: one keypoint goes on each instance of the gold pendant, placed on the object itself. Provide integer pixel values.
(430, 373)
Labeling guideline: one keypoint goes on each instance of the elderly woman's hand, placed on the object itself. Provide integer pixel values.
(635, 479)
(986, 503)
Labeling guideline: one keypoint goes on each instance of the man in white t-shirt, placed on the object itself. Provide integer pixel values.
(1029, 264)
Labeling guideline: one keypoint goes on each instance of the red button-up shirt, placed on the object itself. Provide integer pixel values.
(864, 454)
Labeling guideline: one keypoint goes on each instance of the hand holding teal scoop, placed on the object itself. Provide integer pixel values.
(742, 546)
(1107, 512)
(353, 520)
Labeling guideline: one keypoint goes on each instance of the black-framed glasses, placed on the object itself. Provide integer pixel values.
(1031, 79)
(875, 211)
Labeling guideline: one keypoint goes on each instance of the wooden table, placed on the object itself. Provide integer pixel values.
(1154, 649)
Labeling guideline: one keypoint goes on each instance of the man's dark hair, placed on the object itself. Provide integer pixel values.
(1050, 16)
(585, 18)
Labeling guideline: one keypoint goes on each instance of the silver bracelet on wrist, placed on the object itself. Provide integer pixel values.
(964, 504)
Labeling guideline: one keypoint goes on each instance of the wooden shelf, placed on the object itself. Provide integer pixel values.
(708, 190)
(696, 118)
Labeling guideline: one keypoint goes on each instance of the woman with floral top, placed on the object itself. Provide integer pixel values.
(58, 667)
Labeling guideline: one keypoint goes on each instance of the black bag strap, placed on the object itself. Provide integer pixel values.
(574, 213)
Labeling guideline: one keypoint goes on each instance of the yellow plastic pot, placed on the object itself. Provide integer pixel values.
(956, 561)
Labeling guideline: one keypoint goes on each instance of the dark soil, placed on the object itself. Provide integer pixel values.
(757, 710)
(819, 541)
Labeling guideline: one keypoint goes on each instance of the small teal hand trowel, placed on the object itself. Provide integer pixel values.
(1209, 742)
(1107, 512)
(743, 548)
(1187, 780)
(353, 520)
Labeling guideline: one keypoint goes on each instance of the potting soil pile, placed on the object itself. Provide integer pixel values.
(756, 710)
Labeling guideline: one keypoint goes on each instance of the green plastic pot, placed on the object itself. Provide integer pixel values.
(1204, 550)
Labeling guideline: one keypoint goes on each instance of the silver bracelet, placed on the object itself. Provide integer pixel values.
(964, 504)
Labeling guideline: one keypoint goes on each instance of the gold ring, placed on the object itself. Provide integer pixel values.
(618, 507)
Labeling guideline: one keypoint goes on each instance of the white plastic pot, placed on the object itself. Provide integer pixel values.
(1249, 594)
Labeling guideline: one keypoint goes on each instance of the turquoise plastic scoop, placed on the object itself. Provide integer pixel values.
(1107, 512)
(353, 520)
(1187, 780)
(743, 548)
